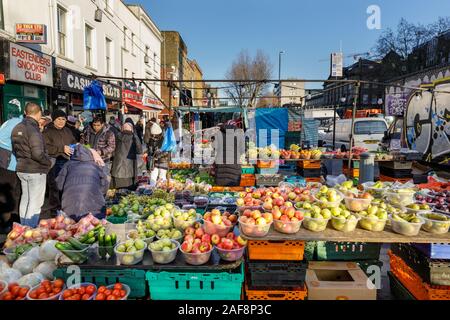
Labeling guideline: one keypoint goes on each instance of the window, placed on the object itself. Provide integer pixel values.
(133, 49)
(125, 30)
(370, 127)
(147, 57)
(365, 98)
(132, 75)
(125, 72)
(154, 61)
(88, 45)
(108, 51)
(62, 30)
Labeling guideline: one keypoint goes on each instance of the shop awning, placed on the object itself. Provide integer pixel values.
(138, 105)
(230, 109)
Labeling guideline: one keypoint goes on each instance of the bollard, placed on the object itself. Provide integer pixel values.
(366, 167)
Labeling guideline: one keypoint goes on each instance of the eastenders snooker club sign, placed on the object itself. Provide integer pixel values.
(75, 82)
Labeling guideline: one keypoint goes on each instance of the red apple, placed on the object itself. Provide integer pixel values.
(199, 233)
(268, 217)
(215, 239)
(189, 238)
(206, 238)
(241, 241)
(290, 212)
(276, 214)
(299, 215)
(189, 230)
(187, 246)
(227, 244)
(230, 235)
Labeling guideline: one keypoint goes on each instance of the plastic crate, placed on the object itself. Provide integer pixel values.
(435, 272)
(309, 173)
(309, 164)
(384, 178)
(398, 289)
(340, 251)
(313, 180)
(296, 180)
(166, 285)
(271, 180)
(365, 264)
(265, 164)
(248, 180)
(117, 220)
(276, 250)
(248, 170)
(435, 250)
(276, 273)
(276, 294)
(134, 278)
(411, 280)
(267, 170)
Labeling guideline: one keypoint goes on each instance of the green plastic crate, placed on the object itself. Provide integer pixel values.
(398, 289)
(134, 278)
(310, 250)
(248, 170)
(336, 251)
(200, 210)
(117, 220)
(165, 285)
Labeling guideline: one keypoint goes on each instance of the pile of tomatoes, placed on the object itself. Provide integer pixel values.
(47, 289)
(82, 293)
(15, 292)
(116, 293)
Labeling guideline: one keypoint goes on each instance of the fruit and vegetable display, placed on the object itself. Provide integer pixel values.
(143, 231)
(14, 291)
(418, 208)
(338, 154)
(255, 223)
(130, 252)
(400, 197)
(117, 291)
(47, 290)
(195, 188)
(374, 218)
(183, 175)
(296, 153)
(328, 197)
(106, 244)
(287, 219)
(164, 251)
(184, 219)
(344, 220)
(440, 200)
(316, 218)
(229, 248)
(223, 198)
(435, 222)
(83, 291)
(161, 218)
(357, 202)
(197, 246)
(173, 233)
(408, 224)
(216, 222)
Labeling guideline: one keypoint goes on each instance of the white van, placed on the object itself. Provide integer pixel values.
(368, 133)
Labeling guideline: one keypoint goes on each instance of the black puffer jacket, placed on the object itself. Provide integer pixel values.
(29, 148)
(56, 139)
(128, 147)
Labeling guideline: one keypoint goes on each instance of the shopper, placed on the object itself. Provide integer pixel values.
(115, 128)
(83, 184)
(161, 158)
(85, 120)
(140, 129)
(33, 164)
(99, 137)
(73, 124)
(153, 134)
(58, 140)
(125, 165)
(9, 182)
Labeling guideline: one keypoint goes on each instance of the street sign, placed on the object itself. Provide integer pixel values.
(31, 33)
(337, 64)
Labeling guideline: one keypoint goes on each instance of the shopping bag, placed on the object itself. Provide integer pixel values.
(169, 142)
(94, 99)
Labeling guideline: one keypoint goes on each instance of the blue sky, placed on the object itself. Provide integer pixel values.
(307, 30)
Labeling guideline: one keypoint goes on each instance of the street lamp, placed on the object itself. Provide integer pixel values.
(279, 74)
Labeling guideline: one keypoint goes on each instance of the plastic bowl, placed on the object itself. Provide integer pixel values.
(345, 224)
(201, 201)
(124, 287)
(10, 254)
(54, 297)
(231, 255)
(81, 256)
(76, 286)
(105, 252)
(372, 224)
(3, 287)
(197, 259)
(288, 227)
(211, 228)
(378, 192)
(127, 258)
(146, 240)
(183, 224)
(330, 204)
(406, 228)
(400, 199)
(315, 224)
(165, 257)
(435, 226)
(253, 230)
(356, 204)
(409, 210)
(5, 291)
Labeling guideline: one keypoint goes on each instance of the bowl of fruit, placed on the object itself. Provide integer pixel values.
(373, 219)
(400, 197)
(130, 252)
(219, 223)
(183, 219)
(418, 208)
(436, 223)
(164, 251)
(327, 197)
(357, 202)
(161, 218)
(377, 189)
(82, 291)
(13, 291)
(253, 223)
(230, 248)
(196, 252)
(287, 220)
(46, 290)
(316, 219)
(343, 220)
(407, 224)
(144, 234)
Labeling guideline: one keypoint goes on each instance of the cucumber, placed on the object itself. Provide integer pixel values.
(66, 249)
(77, 245)
(101, 248)
(108, 245)
(87, 236)
(91, 240)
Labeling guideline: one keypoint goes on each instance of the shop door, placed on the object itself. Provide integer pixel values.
(16, 96)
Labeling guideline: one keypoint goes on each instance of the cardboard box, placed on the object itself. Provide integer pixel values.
(329, 280)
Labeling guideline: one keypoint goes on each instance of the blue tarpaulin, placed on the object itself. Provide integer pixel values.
(274, 123)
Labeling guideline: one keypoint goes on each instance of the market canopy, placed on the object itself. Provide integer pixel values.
(229, 109)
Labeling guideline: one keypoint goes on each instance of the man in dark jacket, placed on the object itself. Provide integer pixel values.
(83, 184)
(33, 164)
(99, 136)
(58, 138)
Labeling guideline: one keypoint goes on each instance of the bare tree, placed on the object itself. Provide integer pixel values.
(443, 24)
(245, 67)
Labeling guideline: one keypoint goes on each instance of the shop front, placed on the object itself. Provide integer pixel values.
(68, 93)
(28, 74)
(138, 105)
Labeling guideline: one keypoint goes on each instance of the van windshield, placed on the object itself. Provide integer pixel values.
(370, 127)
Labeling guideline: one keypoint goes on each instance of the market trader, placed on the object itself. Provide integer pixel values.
(33, 164)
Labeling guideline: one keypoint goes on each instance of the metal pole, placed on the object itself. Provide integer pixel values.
(334, 127)
(355, 103)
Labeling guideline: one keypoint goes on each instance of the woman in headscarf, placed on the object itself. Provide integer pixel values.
(124, 170)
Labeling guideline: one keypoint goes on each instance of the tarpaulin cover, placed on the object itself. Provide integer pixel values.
(271, 119)
(94, 99)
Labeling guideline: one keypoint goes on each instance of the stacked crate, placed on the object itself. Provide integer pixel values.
(276, 270)
(267, 173)
(309, 169)
(423, 270)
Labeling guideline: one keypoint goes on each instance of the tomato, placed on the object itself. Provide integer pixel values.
(90, 289)
(85, 297)
(67, 294)
(123, 293)
(43, 296)
(100, 296)
(12, 285)
(111, 297)
(81, 291)
(48, 289)
(118, 286)
(23, 292)
(46, 283)
(15, 291)
(116, 293)
(33, 295)
(19, 298)
(101, 289)
(58, 283)
(40, 290)
(108, 292)
(8, 296)
(57, 290)
(76, 296)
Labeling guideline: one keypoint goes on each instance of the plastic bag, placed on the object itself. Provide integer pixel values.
(25, 264)
(46, 269)
(33, 253)
(169, 142)
(47, 251)
(10, 275)
(335, 180)
(94, 99)
(32, 279)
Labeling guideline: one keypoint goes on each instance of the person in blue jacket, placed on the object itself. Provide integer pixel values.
(9, 182)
